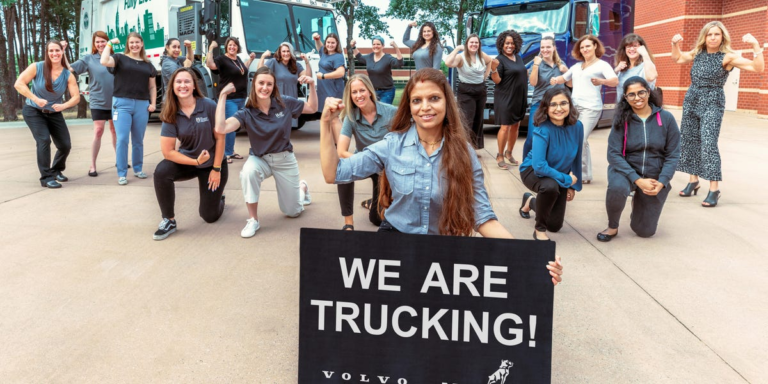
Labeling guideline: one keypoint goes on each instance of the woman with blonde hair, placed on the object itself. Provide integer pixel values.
(704, 103)
(133, 101)
(546, 65)
(367, 120)
(473, 68)
(100, 88)
(431, 179)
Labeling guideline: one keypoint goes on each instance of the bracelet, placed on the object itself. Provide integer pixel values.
(197, 161)
(760, 52)
(496, 71)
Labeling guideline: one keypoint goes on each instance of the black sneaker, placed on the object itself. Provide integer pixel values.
(165, 229)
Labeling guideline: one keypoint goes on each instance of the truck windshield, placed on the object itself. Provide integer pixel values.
(551, 16)
(267, 24)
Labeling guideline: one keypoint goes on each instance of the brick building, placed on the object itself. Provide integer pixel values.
(658, 20)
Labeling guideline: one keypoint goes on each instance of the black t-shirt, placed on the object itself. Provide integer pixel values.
(230, 72)
(132, 77)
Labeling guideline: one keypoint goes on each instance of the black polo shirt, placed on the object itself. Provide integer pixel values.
(196, 131)
(270, 133)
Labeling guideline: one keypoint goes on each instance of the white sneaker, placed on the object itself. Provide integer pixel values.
(304, 196)
(122, 181)
(141, 175)
(251, 226)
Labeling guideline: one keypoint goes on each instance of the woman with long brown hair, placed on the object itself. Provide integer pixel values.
(426, 50)
(189, 118)
(330, 70)
(42, 112)
(267, 120)
(634, 59)
(432, 181)
(100, 88)
(134, 99)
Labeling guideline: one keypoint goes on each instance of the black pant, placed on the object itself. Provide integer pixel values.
(347, 200)
(646, 210)
(46, 127)
(550, 201)
(167, 172)
(472, 98)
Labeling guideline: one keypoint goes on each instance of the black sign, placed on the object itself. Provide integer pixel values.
(396, 309)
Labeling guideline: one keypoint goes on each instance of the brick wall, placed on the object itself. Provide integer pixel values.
(658, 20)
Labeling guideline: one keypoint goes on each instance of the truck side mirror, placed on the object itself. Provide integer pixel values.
(470, 24)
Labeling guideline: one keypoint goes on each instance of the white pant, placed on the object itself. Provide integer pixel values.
(589, 119)
(284, 167)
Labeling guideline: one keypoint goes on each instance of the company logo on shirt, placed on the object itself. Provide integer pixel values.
(201, 120)
(279, 114)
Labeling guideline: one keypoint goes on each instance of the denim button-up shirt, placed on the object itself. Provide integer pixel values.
(416, 181)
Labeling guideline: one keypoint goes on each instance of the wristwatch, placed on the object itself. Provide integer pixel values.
(217, 169)
(323, 74)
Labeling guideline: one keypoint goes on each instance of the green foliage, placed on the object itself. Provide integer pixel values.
(447, 15)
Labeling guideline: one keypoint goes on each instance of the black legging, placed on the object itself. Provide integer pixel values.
(347, 200)
(550, 201)
(471, 99)
(168, 172)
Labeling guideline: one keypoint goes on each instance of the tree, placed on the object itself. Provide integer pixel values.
(367, 17)
(447, 15)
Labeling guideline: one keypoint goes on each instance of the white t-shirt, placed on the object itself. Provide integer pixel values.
(585, 94)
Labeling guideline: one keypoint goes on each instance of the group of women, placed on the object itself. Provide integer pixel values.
(407, 151)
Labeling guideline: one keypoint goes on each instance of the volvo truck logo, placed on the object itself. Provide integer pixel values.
(500, 376)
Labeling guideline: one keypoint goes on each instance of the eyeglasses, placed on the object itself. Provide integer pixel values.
(562, 104)
(632, 96)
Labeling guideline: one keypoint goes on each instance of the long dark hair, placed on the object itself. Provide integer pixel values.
(515, 38)
(338, 44)
(48, 64)
(624, 111)
(291, 65)
(432, 43)
(621, 53)
(542, 113)
(458, 215)
(171, 106)
(253, 101)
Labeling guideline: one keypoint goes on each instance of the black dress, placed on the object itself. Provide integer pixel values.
(510, 97)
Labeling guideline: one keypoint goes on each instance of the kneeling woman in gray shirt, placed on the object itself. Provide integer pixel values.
(189, 117)
(643, 151)
(267, 120)
(368, 120)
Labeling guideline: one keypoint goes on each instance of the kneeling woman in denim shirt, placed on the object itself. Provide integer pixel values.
(432, 181)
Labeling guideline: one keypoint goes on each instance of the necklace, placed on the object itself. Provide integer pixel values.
(237, 64)
(433, 144)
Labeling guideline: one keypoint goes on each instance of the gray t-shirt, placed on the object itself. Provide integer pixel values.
(196, 131)
(287, 82)
(169, 65)
(638, 70)
(38, 88)
(546, 73)
(365, 133)
(421, 56)
(271, 132)
(101, 82)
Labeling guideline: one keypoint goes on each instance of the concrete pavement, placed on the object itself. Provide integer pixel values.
(86, 295)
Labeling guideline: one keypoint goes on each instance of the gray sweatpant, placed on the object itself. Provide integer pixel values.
(285, 169)
(645, 209)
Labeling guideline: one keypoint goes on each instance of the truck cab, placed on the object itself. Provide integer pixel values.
(568, 20)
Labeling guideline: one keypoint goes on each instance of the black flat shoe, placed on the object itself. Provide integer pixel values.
(604, 237)
(61, 178)
(348, 227)
(523, 214)
(691, 188)
(53, 184)
(93, 174)
(537, 239)
(712, 199)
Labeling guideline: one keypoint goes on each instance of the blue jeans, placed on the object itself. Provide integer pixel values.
(529, 136)
(231, 107)
(386, 96)
(130, 117)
